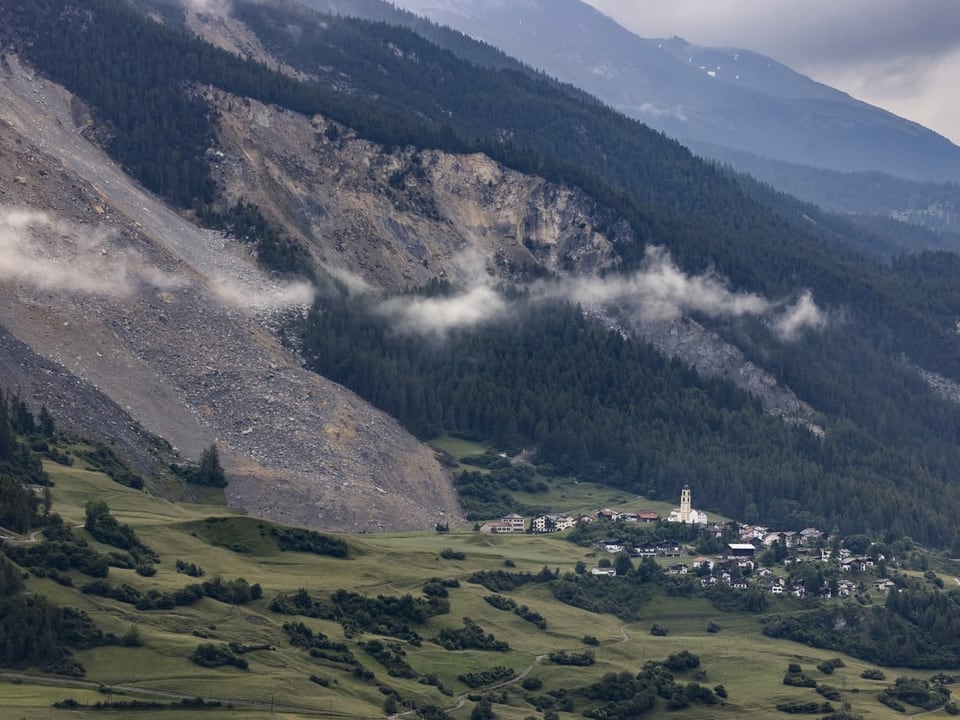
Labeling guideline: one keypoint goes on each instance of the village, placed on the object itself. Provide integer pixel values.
(802, 563)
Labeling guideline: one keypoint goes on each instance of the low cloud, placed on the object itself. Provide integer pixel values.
(208, 7)
(438, 316)
(658, 291)
(802, 315)
(242, 295)
(353, 283)
(49, 254)
(661, 290)
(40, 251)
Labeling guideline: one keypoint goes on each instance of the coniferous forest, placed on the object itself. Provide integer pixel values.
(612, 410)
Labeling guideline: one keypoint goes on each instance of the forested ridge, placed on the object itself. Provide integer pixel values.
(591, 402)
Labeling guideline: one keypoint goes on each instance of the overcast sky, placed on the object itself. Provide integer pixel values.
(902, 55)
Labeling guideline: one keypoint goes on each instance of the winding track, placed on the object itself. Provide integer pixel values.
(462, 698)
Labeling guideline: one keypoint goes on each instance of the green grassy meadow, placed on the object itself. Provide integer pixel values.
(749, 665)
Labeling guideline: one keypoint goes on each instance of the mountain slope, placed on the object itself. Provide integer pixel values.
(935, 206)
(174, 330)
(394, 159)
(728, 97)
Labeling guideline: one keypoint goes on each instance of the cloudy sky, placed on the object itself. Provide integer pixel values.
(902, 55)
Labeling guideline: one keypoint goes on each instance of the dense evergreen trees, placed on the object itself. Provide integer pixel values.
(210, 471)
(35, 632)
(17, 459)
(18, 505)
(916, 627)
(105, 528)
(602, 407)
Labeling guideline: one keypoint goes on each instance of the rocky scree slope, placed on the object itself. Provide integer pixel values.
(168, 327)
(398, 219)
(395, 220)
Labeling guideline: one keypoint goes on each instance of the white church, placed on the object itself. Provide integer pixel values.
(686, 513)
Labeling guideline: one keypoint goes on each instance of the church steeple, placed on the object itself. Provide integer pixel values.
(686, 504)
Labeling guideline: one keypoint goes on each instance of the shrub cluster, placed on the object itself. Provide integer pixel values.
(470, 637)
(568, 657)
(391, 656)
(318, 644)
(191, 569)
(210, 655)
(309, 541)
(503, 581)
(494, 675)
(808, 708)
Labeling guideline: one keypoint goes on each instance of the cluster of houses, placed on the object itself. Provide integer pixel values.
(738, 561)
(514, 523)
(732, 566)
(550, 523)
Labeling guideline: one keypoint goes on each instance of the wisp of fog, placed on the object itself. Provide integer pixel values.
(658, 290)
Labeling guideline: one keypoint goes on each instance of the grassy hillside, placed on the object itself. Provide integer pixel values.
(749, 665)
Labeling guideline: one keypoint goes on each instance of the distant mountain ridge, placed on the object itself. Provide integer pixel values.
(728, 97)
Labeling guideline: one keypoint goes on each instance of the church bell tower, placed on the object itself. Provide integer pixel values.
(686, 504)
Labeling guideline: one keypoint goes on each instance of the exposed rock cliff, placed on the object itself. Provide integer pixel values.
(398, 219)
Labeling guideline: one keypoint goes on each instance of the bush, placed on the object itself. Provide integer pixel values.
(807, 708)
(451, 554)
(795, 677)
(309, 541)
(131, 638)
(659, 630)
(565, 657)
(531, 683)
(873, 674)
(104, 459)
(892, 702)
(683, 660)
(470, 637)
(829, 692)
(500, 602)
(503, 581)
(531, 616)
(590, 640)
(210, 655)
(492, 676)
(191, 569)
(828, 666)
(799, 681)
